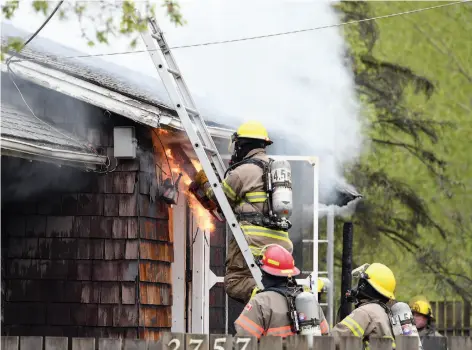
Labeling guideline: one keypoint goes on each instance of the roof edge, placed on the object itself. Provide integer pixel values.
(28, 151)
(140, 112)
(174, 122)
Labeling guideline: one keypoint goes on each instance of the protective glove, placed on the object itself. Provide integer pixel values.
(201, 178)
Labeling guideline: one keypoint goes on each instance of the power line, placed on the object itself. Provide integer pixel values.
(11, 75)
(37, 31)
(271, 35)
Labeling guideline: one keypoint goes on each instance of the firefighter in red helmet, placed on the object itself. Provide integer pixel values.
(267, 313)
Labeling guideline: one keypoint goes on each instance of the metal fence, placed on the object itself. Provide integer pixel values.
(178, 341)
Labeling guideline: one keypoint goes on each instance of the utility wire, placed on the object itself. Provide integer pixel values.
(11, 75)
(269, 35)
(37, 31)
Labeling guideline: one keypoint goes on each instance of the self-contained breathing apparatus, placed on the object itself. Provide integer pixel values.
(304, 311)
(403, 322)
(400, 316)
(277, 177)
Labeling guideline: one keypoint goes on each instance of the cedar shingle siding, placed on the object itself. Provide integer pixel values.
(93, 259)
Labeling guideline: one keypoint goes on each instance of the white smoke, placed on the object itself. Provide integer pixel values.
(298, 85)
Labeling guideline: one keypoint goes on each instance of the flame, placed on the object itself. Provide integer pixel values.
(196, 164)
(203, 217)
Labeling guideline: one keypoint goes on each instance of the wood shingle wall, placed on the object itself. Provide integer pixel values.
(93, 259)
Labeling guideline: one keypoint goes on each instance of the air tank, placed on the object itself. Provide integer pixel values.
(403, 322)
(309, 314)
(281, 176)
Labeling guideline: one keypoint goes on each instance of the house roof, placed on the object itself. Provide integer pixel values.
(141, 93)
(25, 136)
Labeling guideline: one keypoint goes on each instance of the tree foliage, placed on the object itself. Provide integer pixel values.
(394, 209)
(100, 16)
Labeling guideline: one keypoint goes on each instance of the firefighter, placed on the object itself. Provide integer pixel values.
(376, 287)
(424, 320)
(267, 313)
(244, 187)
(323, 285)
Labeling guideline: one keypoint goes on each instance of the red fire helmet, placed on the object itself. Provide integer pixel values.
(277, 261)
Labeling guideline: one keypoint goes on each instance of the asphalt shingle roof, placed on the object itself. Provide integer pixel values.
(21, 126)
(97, 71)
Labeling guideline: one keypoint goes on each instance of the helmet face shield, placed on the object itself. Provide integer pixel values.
(232, 143)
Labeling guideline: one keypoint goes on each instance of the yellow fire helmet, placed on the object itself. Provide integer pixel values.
(323, 284)
(421, 306)
(250, 130)
(382, 279)
(253, 130)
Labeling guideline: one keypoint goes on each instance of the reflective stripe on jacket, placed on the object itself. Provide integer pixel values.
(258, 236)
(244, 186)
(267, 314)
(367, 320)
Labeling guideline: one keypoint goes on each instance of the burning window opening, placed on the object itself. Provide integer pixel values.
(182, 171)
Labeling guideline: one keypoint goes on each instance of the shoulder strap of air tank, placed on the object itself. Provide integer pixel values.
(387, 311)
(259, 162)
(383, 305)
(274, 289)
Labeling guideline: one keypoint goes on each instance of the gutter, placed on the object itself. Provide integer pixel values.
(18, 147)
(175, 123)
(140, 112)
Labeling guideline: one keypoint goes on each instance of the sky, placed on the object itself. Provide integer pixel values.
(298, 85)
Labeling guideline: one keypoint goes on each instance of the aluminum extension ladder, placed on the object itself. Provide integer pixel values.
(197, 132)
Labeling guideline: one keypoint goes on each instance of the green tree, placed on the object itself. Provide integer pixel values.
(101, 16)
(395, 208)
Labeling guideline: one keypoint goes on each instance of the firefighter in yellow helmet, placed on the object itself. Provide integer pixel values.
(268, 312)
(376, 287)
(323, 285)
(244, 186)
(424, 320)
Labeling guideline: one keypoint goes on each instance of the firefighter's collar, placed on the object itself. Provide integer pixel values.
(254, 152)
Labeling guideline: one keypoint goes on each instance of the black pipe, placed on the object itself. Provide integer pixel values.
(346, 269)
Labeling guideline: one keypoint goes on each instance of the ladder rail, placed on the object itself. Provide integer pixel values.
(188, 100)
(198, 143)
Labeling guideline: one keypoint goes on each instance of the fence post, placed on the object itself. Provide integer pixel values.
(135, 344)
(173, 341)
(296, 342)
(109, 344)
(245, 343)
(323, 343)
(83, 344)
(56, 343)
(271, 343)
(31, 343)
(350, 343)
(221, 342)
(407, 343)
(380, 343)
(434, 343)
(196, 342)
(154, 345)
(10, 343)
(460, 343)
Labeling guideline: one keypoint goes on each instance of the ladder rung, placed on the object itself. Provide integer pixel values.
(174, 72)
(319, 272)
(323, 304)
(192, 111)
(312, 241)
(210, 150)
